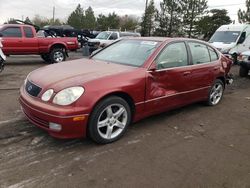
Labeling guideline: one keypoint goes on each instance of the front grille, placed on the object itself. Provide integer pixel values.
(32, 89)
(93, 44)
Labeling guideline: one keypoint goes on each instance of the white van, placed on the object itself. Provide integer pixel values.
(232, 39)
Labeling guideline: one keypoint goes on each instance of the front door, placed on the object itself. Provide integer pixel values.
(166, 86)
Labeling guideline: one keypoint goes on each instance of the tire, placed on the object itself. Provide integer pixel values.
(243, 72)
(216, 93)
(46, 58)
(1, 65)
(57, 55)
(109, 120)
(235, 58)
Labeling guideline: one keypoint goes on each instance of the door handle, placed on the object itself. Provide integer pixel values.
(186, 73)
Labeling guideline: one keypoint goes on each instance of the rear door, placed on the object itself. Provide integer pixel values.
(166, 86)
(29, 41)
(12, 40)
(204, 65)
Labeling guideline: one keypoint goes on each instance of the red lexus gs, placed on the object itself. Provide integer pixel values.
(123, 83)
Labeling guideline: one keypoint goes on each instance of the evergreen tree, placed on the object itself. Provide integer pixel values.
(27, 20)
(147, 24)
(169, 18)
(244, 16)
(90, 21)
(108, 22)
(210, 23)
(76, 18)
(192, 11)
(128, 23)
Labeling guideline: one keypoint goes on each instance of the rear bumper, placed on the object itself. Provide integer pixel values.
(73, 122)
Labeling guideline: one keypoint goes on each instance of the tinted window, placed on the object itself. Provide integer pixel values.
(12, 32)
(113, 36)
(199, 53)
(174, 55)
(213, 54)
(28, 32)
(128, 52)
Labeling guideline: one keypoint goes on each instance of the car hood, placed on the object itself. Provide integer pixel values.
(223, 46)
(101, 41)
(74, 73)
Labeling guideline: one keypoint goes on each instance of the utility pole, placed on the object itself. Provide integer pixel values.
(53, 14)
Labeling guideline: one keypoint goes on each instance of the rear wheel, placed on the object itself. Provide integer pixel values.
(109, 120)
(216, 93)
(57, 55)
(46, 58)
(243, 72)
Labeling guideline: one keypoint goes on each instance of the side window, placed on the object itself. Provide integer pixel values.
(113, 36)
(242, 38)
(12, 32)
(213, 54)
(199, 53)
(28, 32)
(174, 55)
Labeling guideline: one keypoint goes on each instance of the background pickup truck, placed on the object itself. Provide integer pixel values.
(21, 39)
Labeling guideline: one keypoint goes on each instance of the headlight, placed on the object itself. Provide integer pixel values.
(47, 95)
(68, 96)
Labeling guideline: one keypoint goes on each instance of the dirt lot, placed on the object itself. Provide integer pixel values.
(192, 147)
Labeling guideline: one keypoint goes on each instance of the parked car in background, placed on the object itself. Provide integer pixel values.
(244, 62)
(123, 83)
(107, 37)
(21, 39)
(232, 39)
(2, 56)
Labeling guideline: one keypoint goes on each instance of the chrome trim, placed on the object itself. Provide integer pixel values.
(166, 96)
(160, 70)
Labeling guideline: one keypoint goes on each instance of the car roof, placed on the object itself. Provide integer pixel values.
(163, 39)
(15, 25)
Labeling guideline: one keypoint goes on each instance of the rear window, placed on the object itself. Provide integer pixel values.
(12, 32)
(199, 53)
(28, 32)
(213, 54)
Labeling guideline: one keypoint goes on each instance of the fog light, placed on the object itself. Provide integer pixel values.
(55, 127)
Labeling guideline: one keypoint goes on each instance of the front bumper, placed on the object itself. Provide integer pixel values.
(72, 120)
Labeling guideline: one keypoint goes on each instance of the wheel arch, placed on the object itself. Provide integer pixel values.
(57, 45)
(223, 79)
(123, 95)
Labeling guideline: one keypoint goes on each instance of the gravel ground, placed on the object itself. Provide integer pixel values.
(192, 147)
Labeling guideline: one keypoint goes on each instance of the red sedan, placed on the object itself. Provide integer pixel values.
(123, 83)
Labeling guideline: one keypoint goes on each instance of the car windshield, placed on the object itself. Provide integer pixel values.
(225, 36)
(127, 52)
(103, 35)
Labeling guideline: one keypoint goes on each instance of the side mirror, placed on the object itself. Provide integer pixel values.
(1, 35)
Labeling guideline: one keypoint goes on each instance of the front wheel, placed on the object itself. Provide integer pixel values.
(57, 55)
(109, 120)
(215, 93)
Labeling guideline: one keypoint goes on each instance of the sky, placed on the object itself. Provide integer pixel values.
(20, 9)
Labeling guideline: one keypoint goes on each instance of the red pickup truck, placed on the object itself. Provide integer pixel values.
(21, 39)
